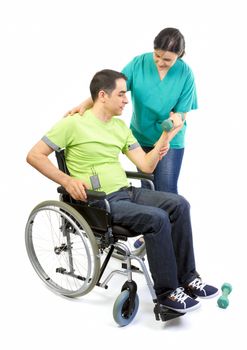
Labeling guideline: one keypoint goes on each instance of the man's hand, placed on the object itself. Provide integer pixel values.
(76, 188)
(163, 151)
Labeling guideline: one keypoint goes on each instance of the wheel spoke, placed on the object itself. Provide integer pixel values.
(62, 248)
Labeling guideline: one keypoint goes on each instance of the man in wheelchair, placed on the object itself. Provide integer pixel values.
(92, 146)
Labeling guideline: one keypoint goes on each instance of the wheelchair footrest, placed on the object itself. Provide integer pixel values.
(63, 271)
(164, 314)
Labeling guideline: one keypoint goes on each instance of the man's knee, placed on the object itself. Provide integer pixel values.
(177, 206)
(182, 206)
(183, 202)
(156, 220)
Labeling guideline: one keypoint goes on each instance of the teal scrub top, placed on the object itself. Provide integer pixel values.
(153, 99)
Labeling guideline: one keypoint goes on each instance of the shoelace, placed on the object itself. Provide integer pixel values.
(179, 295)
(197, 283)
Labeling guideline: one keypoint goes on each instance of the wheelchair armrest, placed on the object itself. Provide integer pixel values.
(139, 175)
(91, 195)
(95, 194)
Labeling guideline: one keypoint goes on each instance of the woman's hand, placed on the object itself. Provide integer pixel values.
(81, 108)
(78, 109)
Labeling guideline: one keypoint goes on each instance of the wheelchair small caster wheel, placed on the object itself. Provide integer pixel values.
(121, 313)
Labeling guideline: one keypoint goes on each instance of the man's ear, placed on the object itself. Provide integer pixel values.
(102, 95)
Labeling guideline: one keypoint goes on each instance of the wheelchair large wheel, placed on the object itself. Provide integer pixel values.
(121, 313)
(62, 249)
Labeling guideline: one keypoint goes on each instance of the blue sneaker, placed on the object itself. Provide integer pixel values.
(200, 289)
(139, 242)
(180, 301)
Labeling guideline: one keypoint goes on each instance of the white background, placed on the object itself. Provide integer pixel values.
(49, 52)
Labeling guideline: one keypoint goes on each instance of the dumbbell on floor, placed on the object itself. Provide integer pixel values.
(223, 301)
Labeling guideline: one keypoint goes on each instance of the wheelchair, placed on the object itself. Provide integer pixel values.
(70, 243)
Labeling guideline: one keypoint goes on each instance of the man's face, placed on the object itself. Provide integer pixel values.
(116, 101)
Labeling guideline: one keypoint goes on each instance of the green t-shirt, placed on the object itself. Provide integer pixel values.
(153, 99)
(93, 147)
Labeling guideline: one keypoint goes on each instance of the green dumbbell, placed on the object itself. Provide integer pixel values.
(167, 124)
(223, 301)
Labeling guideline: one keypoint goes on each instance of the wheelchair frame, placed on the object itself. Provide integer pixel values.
(81, 234)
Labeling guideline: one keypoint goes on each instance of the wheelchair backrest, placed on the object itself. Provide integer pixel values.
(98, 219)
(60, 155)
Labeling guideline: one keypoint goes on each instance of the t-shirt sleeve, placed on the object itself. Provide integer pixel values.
(59, 136)
(131, 142)
(188, 98)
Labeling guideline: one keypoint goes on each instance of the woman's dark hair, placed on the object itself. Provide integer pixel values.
(104, 80)
(170, 39)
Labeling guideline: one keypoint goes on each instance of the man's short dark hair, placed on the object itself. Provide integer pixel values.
(104, 80)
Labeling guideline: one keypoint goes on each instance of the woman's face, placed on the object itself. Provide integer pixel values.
(164, 59)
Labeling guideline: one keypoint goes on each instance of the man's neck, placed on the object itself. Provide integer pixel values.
(101, 113)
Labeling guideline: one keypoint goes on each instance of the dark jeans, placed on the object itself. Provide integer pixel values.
(167, 171)
(164, 220)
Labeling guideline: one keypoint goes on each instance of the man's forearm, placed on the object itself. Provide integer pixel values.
(47, 168)
(152, 158)
(75, 187)
(174, 132)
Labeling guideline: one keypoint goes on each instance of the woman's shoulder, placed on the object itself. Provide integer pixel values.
(181, 64)
(144, 57)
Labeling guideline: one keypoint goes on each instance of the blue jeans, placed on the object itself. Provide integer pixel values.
(167, 171)
(164, 221)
